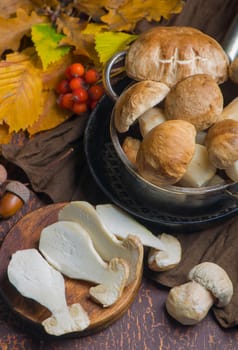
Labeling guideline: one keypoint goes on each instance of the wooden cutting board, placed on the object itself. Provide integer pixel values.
(25, 234)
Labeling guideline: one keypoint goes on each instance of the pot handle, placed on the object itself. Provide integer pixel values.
(107, 72)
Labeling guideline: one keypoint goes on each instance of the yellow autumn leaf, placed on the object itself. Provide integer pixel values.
(108, 43)
(52, 115)
(83, 43)
(5, 137)
(93, 8)
(126, 16)
(94, 28)
(14, 28)
(20, 95)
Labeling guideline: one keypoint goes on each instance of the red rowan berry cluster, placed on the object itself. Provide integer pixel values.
(80, 90)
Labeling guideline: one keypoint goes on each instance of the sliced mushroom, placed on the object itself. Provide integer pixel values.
(209, 284)
(166, 250)
(68, 247)
(34, 278)
(106, 244)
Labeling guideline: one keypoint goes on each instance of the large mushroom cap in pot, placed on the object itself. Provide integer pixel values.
(169, 54)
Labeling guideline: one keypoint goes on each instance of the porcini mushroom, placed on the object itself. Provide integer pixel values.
(106, 244)
(197, 99)
(34, 278)
(222, 143)
(170, 53)
(68, 247)
(136, 100)
(208, 285)
(166, 151)
(165, 250)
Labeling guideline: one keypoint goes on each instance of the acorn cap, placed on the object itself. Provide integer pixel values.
(19, 190)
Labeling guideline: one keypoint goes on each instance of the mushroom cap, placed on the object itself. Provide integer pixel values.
(136, 100)
(215, 279)
(166, 151)
(197, 99)
(171, 53)
(222, 143)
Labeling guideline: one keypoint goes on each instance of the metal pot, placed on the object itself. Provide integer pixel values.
(170, 200)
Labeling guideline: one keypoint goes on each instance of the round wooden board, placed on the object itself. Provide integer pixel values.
(25, 234)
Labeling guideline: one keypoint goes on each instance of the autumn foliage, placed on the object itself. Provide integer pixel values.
(40, 39)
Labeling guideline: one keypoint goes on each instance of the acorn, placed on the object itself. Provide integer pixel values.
(15, 196)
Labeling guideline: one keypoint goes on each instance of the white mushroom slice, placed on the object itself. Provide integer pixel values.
(199, 170)
(121, 224)
(68, 247)
(232, 171)
(34, 278)
(159, 260)
(166, 252)
(209, 284)
(106, 244)
(148, 120)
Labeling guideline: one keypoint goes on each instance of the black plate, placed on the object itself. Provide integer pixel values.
(105, 167)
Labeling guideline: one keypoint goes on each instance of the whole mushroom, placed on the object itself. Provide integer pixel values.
(208, 284)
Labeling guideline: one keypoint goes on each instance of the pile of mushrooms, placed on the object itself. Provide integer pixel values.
(187, 135)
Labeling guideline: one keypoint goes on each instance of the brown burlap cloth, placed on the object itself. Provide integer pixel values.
(54, 163)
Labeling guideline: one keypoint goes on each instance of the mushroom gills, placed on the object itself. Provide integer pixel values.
(34, 278)
(68, 247)
(106, 243)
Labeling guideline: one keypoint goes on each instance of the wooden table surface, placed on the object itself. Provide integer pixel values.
(144, 326)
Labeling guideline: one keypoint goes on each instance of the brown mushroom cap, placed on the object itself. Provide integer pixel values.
(135, 100)
(197, 99)
(215, 279)
(169, 54)
(166, 151)
(222, 143)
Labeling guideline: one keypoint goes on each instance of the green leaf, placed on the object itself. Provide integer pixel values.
(108, 43)
(46, 41)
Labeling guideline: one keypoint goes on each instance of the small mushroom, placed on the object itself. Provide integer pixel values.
(13, 199)
(165, 250)
(222, 143)
(34, 278)
(130, 147)
(136, 100)
(208, 285)
(106, 244)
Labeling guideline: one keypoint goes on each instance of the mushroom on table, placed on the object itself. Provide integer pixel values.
(208, 285)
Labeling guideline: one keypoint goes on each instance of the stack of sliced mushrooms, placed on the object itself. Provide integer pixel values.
(187, 136)
(102, 245)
